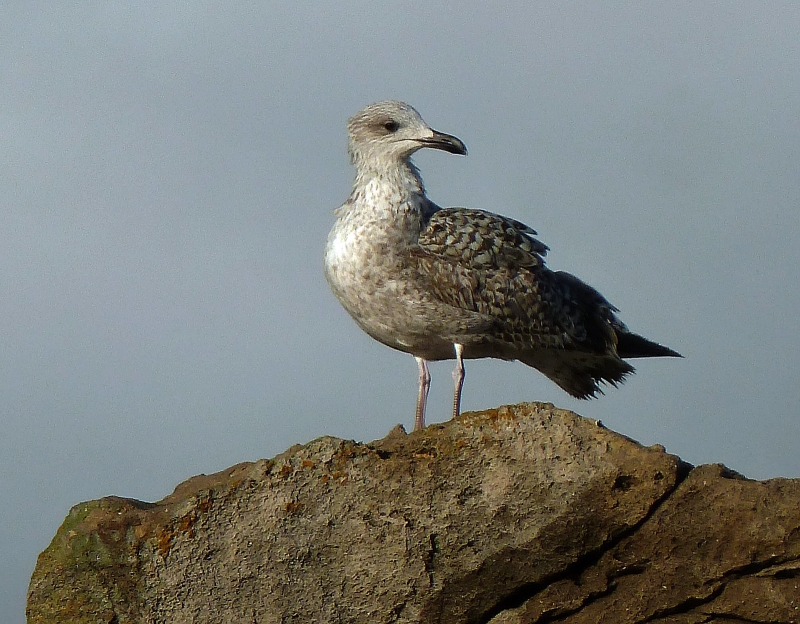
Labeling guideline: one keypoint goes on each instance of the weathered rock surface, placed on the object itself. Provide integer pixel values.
(518, 515)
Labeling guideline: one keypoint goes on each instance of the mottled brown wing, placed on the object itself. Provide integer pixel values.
(480, 239)
(486, 263)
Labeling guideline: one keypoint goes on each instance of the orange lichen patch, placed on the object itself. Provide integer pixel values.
(341, 476)
(293, 507)
(186, 524)
(307, 463)
(426, 454)
(164, 542)
(346, 452)
(285, 471)
(502, 414)
(501, 417)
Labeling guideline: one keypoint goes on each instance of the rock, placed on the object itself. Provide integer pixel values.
(517, 515)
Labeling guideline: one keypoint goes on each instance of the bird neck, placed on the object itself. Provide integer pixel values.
(397, 178)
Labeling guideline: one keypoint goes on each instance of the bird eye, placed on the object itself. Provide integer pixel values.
(391, 126)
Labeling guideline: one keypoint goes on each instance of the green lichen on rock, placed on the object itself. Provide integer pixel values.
(87, 573)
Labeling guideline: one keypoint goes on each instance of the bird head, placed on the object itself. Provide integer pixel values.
(390, 132)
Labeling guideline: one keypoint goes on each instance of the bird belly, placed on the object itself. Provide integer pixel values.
(392, 310)
(389, 312)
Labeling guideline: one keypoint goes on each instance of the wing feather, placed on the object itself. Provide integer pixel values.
(481, 239)
(482, 262)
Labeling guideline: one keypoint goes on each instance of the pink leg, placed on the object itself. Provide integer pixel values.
(422, 397)
(458, 378)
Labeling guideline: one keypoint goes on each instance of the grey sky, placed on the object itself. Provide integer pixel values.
(169, 172)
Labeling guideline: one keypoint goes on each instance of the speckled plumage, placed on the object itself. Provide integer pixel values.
(444, 283)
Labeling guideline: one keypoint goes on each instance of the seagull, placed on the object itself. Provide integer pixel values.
(445, 283)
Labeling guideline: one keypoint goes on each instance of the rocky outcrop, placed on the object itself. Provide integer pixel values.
(517, 515)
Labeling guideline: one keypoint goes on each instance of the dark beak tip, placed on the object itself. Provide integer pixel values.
(458, 147)
(448, 143)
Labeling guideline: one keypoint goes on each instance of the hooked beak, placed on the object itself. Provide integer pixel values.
(446, 142)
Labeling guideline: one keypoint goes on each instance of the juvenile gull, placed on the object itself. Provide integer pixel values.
(444, 283)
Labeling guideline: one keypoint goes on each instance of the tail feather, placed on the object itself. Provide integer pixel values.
(580, 374)
(630, 345)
